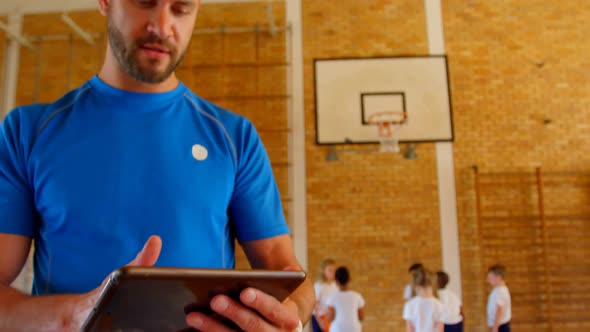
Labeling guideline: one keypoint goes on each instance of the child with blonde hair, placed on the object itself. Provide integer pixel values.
(424, 312)
(324, 287)
(408, 291)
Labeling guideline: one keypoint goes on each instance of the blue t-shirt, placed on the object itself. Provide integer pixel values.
(93, 175)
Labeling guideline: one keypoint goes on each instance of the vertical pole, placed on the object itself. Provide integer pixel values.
(445, 165)
(480, 236)
(545, 239)
(297, 176)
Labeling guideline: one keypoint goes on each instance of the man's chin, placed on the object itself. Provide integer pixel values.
(152, 75)
(152, 78)
(150, 70)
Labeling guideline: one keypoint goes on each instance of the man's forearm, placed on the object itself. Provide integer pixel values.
(304, 297)
(20, 312)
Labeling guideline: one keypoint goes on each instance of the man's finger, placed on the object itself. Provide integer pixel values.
(148, 256)
(243, 317)
(204, 323)
(284, 315)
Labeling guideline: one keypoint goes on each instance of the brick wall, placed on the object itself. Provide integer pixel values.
(375, 213)
(514, 64)
(537, 224)
(44, 74)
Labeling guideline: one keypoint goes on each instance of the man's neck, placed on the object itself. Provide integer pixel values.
(112, 74)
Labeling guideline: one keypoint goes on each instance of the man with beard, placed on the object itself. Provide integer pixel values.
(133, 155)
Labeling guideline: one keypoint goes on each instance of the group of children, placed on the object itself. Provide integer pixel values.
(430, 306)
(338, 308)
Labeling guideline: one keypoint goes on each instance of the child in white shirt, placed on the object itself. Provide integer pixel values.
(423, 313)
(324, 288)
(499, 308)
(346, 307)
(452, 307)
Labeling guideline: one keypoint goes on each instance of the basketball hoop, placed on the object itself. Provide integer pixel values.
(388, 125)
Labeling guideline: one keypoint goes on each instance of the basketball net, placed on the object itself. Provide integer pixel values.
(389, 137)
(388, 125)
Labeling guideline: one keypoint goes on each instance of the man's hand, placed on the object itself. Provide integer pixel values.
(257, 312)
(83, 304)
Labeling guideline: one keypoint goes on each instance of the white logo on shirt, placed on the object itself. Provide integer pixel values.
(200, 153)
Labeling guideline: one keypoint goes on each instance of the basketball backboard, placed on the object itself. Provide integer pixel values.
(349, 91)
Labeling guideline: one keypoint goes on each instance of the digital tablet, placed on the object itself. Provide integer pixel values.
(146, 299)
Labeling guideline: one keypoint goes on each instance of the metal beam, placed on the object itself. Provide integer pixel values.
(16, 36)
(77, 29)
(58, 6)
(43, 6)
